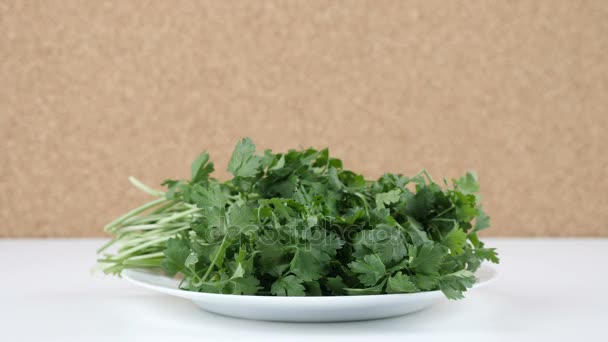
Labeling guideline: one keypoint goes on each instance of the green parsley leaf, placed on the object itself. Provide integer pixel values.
(209, 196)
(454, 284)
(176, 254)
(455, 241)
(416, 232)
(400, 283)
(201, 167)
(308, 265)
(467, 184)
(384, 241)
(288, 286)
(425, 282)
(387, 198)
(336, 285)
(428, 258)
(487, 254)
(482, 221)
(247, 285)
(370, 270)
(244, 162)
(241, 219)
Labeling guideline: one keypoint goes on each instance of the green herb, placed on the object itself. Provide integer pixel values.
(299, 224)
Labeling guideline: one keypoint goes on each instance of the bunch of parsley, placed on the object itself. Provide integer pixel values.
(299, 224)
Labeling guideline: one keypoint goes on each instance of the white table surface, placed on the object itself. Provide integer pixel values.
(547, 290)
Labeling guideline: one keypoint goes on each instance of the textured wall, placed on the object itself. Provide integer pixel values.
(91, 92)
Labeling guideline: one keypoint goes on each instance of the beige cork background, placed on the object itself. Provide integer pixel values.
(94, 91)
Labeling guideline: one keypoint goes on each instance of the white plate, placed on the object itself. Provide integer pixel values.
(301, 309)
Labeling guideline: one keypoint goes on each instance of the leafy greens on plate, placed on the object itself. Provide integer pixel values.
(299, 224)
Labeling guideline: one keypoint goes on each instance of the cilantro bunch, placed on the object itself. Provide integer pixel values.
(299, 224)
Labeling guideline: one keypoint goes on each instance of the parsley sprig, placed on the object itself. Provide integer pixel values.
(299, 224)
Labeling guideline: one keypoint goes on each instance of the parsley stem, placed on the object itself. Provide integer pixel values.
(426, 173)
(165, 207)
(132, 238)
(132, 250)
(133, 213)
(106, 245)
(141, 186)
(143, 219)
(148, 262)
(365, 205)
(444, 212)
(179, 215)
(220, 251)
(147, 256)
(148, 227)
